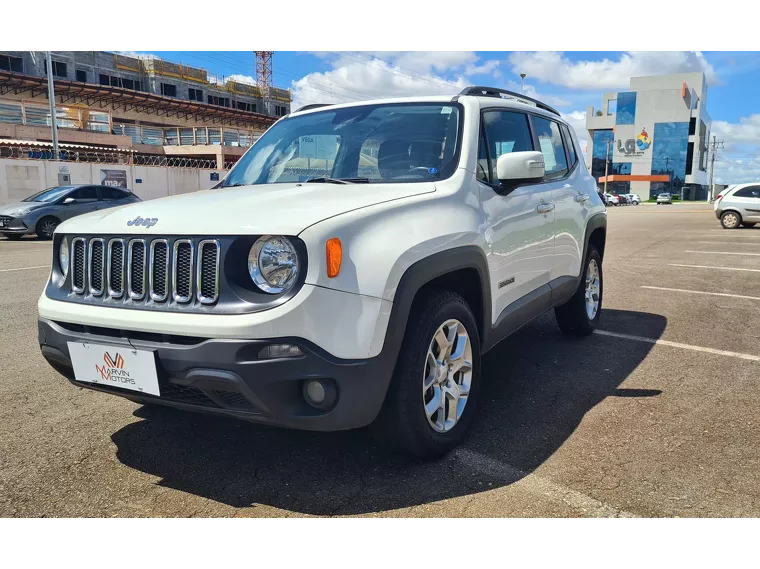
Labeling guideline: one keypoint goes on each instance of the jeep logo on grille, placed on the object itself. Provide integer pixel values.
(145, 221)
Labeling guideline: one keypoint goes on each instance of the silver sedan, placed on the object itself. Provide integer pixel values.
(41, 213)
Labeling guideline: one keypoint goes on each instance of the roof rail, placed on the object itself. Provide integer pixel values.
(479, 91)
(314, 106)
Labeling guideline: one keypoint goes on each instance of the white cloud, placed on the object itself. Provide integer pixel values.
(357, 77)
(739, 160)
(489, 67)
(554, 67)
(237, 77)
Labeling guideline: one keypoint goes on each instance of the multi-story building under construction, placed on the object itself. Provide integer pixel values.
(149, 109)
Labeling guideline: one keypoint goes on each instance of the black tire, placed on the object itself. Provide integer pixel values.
(572, 317)
(14, 236)
(748, 225)
(46, 226)
(403, 424)
(731, 219)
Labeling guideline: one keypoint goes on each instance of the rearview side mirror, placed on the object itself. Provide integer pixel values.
(68, 201)
(519, 168)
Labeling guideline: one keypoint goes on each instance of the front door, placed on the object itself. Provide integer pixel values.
(519, 226)
(85, 201)
(748, 200)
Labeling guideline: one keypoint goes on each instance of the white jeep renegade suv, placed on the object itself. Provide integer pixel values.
(351, 269)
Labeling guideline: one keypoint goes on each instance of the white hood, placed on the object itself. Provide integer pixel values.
(280, 209)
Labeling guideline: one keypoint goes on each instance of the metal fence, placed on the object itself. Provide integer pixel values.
(104, 157)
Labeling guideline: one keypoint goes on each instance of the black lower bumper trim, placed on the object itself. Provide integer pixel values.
(226, 377)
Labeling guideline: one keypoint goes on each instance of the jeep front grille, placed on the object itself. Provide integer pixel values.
(136, 271)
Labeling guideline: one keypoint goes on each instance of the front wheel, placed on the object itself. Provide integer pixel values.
(46, 227)
(580, 315)
(433, 396)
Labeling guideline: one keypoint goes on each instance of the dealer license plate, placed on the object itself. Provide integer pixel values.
(115, 366)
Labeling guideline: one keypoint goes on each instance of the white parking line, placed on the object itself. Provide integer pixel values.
(701, 292)
(726, 253)
(725, 243)
(539, 486)
(24, 269)
(749, 357)
(717, 268)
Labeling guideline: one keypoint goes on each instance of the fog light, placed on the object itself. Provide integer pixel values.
(280, 351)
(315, 391)
(320, 393)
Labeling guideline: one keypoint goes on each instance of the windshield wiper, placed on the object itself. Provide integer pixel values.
(339, 180)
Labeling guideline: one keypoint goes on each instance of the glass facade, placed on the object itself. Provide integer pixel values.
(669, 150)
(601, 137)
(626, 108)
(621, 167)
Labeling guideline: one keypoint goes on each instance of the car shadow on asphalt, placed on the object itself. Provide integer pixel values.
(538, 385)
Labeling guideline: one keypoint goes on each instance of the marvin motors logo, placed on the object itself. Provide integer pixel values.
(113, 369)
(144, 221)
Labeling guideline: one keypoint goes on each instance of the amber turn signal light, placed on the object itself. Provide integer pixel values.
(334, 257)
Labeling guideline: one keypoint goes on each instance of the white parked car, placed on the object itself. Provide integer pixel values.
(350, 269)
(738, 205)
(634, 199)
(664, 198)
(612, 200)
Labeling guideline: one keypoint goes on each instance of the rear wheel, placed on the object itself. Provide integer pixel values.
(580, 315)
(433, 396)
(730, 220)
(46, 227)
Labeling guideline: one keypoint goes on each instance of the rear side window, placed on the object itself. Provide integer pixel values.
(748, 192)
(570, 146)
(111, 194)
(86, 193)
(505, 132)
(550, 144)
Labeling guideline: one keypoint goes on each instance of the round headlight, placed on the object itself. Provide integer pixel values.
(273, 264)
(63, 256)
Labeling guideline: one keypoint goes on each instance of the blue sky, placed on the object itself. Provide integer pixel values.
(570, 81)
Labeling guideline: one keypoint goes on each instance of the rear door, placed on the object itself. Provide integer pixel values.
(748, 201)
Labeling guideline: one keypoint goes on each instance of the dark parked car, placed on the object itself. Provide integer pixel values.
(41, 213)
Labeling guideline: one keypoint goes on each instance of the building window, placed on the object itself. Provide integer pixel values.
(669, 149)
(195, 94)
(601, 139)
(10, 63)
(689, 157)
(105, 79)
(249, 107)
(626, 108)
(81, 75)
(219, 101)
(621, 168)
(168, 90)
(693, 126)
(59, 69)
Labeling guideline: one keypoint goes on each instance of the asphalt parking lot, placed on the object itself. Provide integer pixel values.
(656, 415)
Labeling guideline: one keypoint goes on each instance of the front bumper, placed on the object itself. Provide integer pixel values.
(13, 226)
(226, 376)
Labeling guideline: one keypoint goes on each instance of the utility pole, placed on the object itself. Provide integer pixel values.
(606, 164)
(714, 147)
(51, 97)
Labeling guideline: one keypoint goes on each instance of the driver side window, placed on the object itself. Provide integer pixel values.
(505, 132)
(84, 195)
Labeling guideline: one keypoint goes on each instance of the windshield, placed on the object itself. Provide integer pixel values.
(400, 142)
(50, 195)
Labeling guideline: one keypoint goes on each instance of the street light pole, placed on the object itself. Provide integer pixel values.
(51, 97)
(522, 83)
(606, 164)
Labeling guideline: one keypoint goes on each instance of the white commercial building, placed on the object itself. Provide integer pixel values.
(652, 137)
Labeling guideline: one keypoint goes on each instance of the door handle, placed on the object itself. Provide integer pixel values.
(545, 207)
(581, 197)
